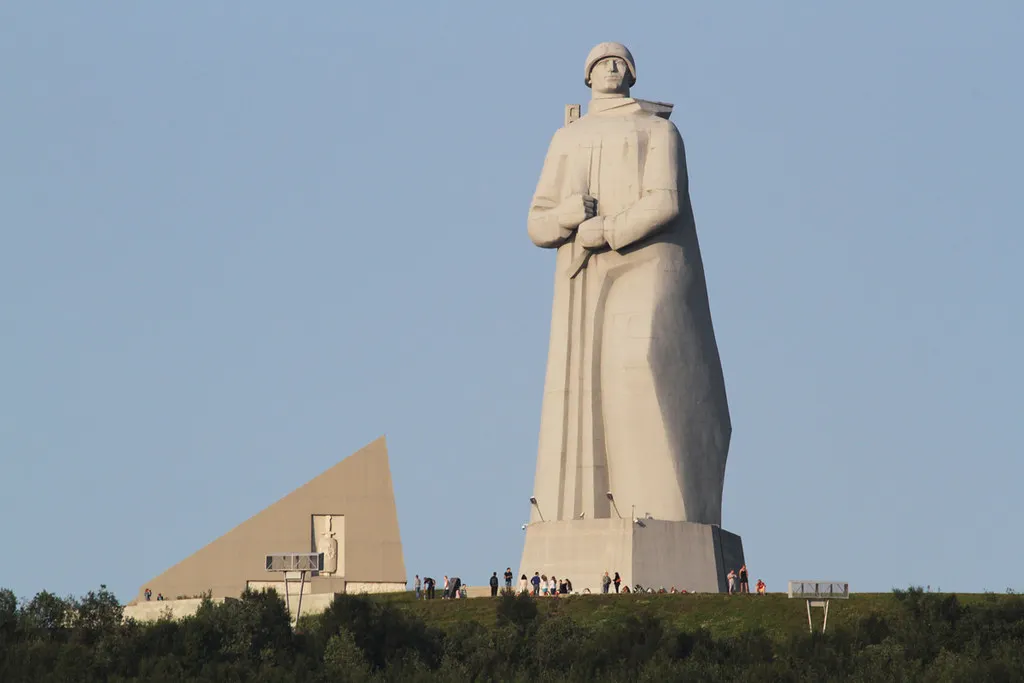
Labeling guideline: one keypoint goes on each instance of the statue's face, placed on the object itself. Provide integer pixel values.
(610, 75)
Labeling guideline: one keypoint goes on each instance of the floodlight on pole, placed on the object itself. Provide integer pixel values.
(290, 564)
(818, 594)
(611, 499)
(533, 502)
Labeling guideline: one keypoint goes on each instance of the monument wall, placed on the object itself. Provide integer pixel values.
(348, 513)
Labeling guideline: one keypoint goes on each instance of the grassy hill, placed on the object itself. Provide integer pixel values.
(903, 636)
(723, 615)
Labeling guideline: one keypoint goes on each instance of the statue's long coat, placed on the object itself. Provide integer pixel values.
(634, 398)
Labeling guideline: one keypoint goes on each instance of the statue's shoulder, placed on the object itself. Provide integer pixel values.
(655, 116)
(657, 123)
(565, 134)
(662, 110)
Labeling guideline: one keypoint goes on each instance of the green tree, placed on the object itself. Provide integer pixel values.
(520, 610)
(48, 614)
(8, 616)
(98, 612)
(382, 631)
(343, 661)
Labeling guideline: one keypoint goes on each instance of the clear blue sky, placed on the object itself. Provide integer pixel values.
(242, 240)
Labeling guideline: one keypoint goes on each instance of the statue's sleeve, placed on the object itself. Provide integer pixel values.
(663, 181)
(542, 223)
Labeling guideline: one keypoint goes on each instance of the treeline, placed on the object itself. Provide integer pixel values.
(927, 637)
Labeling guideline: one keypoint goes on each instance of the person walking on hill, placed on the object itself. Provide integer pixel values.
(730, 578)
(417, 586)
(494, 585)
(744, 580)
(508, 578)
(447, 588)
(536, 583)
(606, 582)
(524, 585)
(617, 581)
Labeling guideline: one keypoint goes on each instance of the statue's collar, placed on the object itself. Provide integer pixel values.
(610, 104)
(626, 105)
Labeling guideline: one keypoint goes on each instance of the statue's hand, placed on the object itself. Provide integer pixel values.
(575, 209)
(591, 233)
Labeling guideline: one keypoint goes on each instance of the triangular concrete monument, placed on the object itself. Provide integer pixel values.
(348, 512)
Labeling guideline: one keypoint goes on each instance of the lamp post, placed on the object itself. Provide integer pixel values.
(611, 498)
(533, 502)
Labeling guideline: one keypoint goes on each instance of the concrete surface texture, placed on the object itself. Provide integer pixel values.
(347, 512)
(634, 419)
(653, 553)
(179, 609)
(153, 610)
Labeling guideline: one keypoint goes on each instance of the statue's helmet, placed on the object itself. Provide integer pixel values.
(603, 50)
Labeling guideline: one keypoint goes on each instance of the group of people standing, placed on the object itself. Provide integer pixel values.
(543, 584)
(608, 581)
(453, 588)
(538, 585)
(739, 582)
(508, 576)
(426, 588)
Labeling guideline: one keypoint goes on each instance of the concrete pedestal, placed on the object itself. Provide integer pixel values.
(653, 553)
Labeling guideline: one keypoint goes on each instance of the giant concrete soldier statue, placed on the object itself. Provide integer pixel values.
(634, 419)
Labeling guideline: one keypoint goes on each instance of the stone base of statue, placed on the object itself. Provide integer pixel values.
(650, 552)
